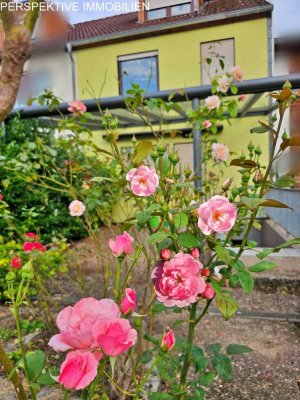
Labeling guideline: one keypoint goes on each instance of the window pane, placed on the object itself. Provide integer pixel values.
(181, 9)
(221, 48)
(157, 14)
(141, 71)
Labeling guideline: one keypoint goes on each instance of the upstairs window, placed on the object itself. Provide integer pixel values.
(181, 9)
(159, 13)
(141, 69)
(215, 51)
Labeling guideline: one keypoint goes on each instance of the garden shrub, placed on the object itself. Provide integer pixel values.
(31, 150)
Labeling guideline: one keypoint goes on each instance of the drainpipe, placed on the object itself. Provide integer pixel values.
(69, 51)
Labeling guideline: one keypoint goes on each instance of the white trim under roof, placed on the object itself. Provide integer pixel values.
(138, 55)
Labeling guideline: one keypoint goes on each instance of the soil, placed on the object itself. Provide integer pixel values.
(270, 372)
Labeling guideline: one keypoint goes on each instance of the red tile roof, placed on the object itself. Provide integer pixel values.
(129, 22)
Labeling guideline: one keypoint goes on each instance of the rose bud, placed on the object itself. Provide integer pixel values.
(128, 303)
(226, 184)
(205, 272)
(168, 341)
(165, 254)
(195, 253)
(16, 262)
(208, 292)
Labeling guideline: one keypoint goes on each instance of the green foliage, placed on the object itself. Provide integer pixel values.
(33, 156)
(226, 304)
(237, 349)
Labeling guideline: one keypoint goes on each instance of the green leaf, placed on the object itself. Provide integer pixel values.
(188, 240)
(223, 253)
(100, 179)
(226, 304)
(146, 357)
(238, 162)
(214, 348)
(35, 362)
(181, 344)
(238, 265)
(260, 129)
(275, 204)
(284, 181)
(143, 217)
(201, 363)
(166, 243)
(246, 281)
(158, 308)
(207, 378)
(237, 349)
(262, 266)
(251, 202)
(263, 254)
(288, 243)
(157, 237)
(223, 367)
(142, 150)
(167, 367)
(234, 89)
(46, 379)
(180, 221)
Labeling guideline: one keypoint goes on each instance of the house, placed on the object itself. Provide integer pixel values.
(49, 61)
(162, 48)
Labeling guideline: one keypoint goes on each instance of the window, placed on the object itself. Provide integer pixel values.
(223, 49)
(141, 69)
(157, 14)
(181, 9)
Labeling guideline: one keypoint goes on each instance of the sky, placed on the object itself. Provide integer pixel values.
(286, 16)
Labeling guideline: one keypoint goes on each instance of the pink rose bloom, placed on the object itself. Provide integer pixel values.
(76, 323)
(220, 152)
(77, 208)
(212, 102)
(128, 303)
(168, 341)
(206, 124)
(237, 73)
(243, 97)
(30, 246)
(143, 181)
(216, 215)
(224, 84)
(114, 336)
(78, 370)
(208, 292)
(31, 235)
(195, 253)
(165, 254)
(177, 282)
(16, 262)
(76, 107)
(121, 245)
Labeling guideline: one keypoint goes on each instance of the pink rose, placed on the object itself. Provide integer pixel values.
(121, 245)
(243, 97)
(168, 341)
(143, 181)
(76, 323)
(237, 73)
(206, 124)
(76, 107)
(195, 253)
(1, 197)
(31, 235)
(114, 336)
(128, 303)
(216, 215)
(224, 84)
(30, 246)
(208, 292)
(78, 370)
(177, 282)
(220, 152)
(165, 254)
(77, 208)
(212, 102)
(16, 262)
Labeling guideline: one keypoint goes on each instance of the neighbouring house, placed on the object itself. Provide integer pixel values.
(287, 61)
(50, 64)
(162, 48)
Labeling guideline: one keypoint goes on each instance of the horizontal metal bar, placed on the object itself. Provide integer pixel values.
(249, 86)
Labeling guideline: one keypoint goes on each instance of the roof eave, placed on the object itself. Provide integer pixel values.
(171, 25)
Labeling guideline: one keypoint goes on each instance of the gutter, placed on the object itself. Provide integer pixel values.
(173, 25)
(69, 51)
